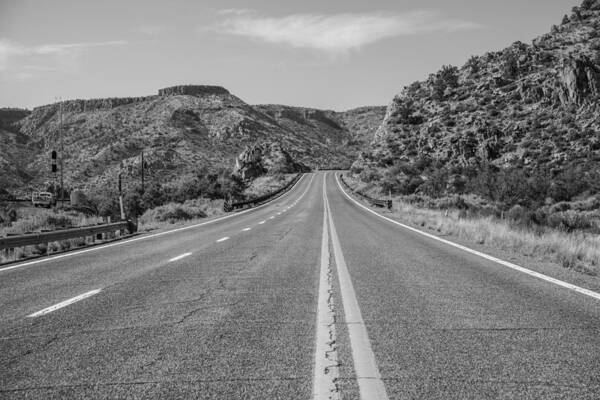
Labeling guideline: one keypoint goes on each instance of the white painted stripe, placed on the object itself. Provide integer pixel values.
(365, 365)
(326, 370)
(184, 255)
(516, 267)
(223, 239)
(64, 303)
(279, 213)
(246, 229)
(261, 222)
(271, 217)
(123, 242)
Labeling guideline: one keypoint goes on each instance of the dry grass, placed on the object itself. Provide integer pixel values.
(579, 251)
(173, 213)
(267, 184)
(35, 220)
(32, 220)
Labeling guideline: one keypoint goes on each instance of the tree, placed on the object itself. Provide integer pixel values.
(565, 20)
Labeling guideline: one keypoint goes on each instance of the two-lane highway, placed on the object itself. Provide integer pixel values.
(309, 296)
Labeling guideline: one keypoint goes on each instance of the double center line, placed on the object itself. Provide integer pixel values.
(365, 365)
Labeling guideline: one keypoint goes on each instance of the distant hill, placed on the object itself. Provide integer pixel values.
(531, 109)
(182, 130)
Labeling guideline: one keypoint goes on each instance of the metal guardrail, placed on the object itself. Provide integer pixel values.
(227, 206)
(374, 202)
(29, 239)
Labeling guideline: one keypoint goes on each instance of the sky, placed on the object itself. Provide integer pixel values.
(325, 54)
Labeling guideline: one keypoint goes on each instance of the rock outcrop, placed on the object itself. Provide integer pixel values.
(257, 160)
(192, 90)
(580, 80)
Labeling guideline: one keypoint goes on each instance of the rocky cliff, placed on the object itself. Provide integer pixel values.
(532, 107)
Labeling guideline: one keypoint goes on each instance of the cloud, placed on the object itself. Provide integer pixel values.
(25, 62)
(337, 33)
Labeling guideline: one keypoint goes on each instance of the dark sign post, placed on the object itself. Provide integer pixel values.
(54, 170)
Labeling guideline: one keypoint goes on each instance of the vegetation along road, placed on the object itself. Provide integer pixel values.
(310, 296)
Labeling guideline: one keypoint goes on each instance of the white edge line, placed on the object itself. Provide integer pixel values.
(122, 242)
(516, 267)
(64, 303)
(180, 257)
(223, 239)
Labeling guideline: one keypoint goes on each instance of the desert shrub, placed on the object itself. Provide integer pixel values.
(570, 221)
(473, 64)
(521, 216)
(559, 207)
(8, 215)
(590, 5)
(173, 212)
(369, 175)
(58, 221)
(447, 77)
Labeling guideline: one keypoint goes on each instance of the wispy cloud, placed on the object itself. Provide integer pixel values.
(25, 62)
(335, 33)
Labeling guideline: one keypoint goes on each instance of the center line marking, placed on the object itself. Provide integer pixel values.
(368, 377)
(223, 239)
(246, 229)
(180, 257)
(326, 372)
(64, 303)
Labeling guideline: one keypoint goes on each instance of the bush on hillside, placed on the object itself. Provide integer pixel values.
(174, 212)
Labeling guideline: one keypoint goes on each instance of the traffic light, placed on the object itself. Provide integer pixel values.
(53, 156)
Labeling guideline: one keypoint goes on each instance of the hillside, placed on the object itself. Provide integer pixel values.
(184, 131)
(528, 116)
(346, 133)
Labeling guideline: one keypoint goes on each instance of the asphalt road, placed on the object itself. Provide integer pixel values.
(310, 296)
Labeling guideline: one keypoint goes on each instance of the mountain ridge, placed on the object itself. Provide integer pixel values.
(182, 129)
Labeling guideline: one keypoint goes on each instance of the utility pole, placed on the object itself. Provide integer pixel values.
(121, 192)
(143, 167)
(62, 154)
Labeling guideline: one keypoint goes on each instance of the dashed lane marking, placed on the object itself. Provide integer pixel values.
(261, 222)
(246, 229)
(179, 257)
(223, 239)
(64, 303)
(123, 242)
